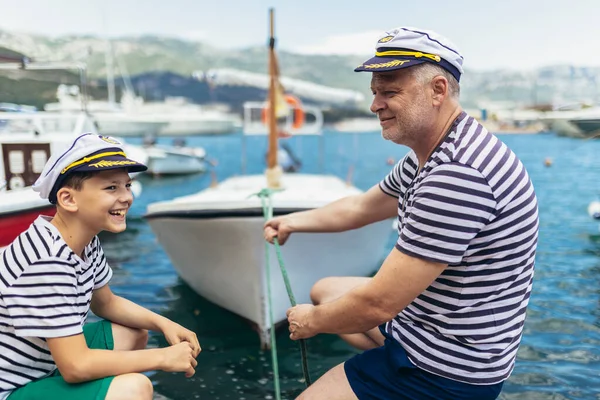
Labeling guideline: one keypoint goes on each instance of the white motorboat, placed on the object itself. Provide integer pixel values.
(181, 118)
(174, 160)
(215, 241)
(581, 123)
(214, 238)
(49, 126)
(110, 118)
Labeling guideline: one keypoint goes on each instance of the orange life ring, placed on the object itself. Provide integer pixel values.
(295, 104)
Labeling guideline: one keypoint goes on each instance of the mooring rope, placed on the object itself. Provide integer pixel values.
(267, 206)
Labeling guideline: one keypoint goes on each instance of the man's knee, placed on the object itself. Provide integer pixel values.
(333, 287)
(130, 386)
(322, 290)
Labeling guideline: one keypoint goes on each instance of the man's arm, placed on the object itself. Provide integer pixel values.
(399, 281)
(348, 213)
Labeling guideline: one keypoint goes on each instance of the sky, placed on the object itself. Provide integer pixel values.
(515, 34)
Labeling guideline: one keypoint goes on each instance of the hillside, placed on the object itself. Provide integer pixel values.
(156, 56)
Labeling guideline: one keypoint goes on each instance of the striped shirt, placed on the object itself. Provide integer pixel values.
(472, 206)
(45, 292)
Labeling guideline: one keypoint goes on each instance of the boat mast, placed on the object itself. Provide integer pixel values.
(274, 171)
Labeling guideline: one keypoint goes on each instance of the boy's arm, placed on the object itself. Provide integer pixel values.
(107, 305)
(78, 363)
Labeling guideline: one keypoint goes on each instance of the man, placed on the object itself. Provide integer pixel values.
(443, 316)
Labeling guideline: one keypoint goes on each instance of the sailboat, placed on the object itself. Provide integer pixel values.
(214, 238)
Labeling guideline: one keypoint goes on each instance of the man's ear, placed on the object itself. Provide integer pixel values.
(65, 197)
(439, 85)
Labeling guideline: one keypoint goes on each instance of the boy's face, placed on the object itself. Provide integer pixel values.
(104, 199)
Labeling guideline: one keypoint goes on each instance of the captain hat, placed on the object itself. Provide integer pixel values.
(405, 47)
(88, 152)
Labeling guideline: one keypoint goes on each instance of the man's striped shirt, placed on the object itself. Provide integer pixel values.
(45, 292)
(473, 207)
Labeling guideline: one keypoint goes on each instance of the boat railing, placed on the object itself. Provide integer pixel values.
(253, 123)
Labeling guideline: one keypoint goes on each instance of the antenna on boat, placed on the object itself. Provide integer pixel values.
(274, 171)
(349, 175)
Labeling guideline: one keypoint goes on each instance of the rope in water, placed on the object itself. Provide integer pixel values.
(267, 206)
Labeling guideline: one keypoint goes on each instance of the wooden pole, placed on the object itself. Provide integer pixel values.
(273, 169)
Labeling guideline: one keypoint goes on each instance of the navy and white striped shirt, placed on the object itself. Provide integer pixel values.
(45, 292)
(473, 207)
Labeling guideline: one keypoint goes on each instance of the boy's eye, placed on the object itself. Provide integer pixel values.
(113, 187)
(128, 185)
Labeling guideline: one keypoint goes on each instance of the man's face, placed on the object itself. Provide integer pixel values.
(402, 105)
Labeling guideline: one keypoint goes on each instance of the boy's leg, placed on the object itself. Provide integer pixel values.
(98, 335)
(129, 386)
(332, 288)
(126, 338)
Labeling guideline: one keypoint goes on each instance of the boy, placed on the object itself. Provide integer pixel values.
(54, 272)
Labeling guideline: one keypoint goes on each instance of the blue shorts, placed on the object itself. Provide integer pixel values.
(387, 373)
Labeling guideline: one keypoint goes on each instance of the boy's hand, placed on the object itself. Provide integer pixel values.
(175, 334)
(180, 358)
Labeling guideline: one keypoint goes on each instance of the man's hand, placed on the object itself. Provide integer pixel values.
(299, 318)
(280, 227)
(175, 333)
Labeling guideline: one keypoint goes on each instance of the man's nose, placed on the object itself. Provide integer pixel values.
(377, 104)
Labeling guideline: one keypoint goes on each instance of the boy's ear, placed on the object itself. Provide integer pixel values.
(66, 199)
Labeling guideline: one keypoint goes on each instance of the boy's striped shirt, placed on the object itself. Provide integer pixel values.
(45, 292)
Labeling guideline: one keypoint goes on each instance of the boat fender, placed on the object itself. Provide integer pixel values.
(16, 182)
(594, 209)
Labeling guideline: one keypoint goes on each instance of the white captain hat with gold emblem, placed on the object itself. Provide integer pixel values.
(88, 152)
(405, 47)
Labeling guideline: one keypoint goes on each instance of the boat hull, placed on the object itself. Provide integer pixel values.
(589, 126)
(175, 164)
(226, 263)
(197, 127)
(14, 223)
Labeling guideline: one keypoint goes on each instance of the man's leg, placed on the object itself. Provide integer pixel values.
(129, 386)
(332, 288)
(333, 385)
